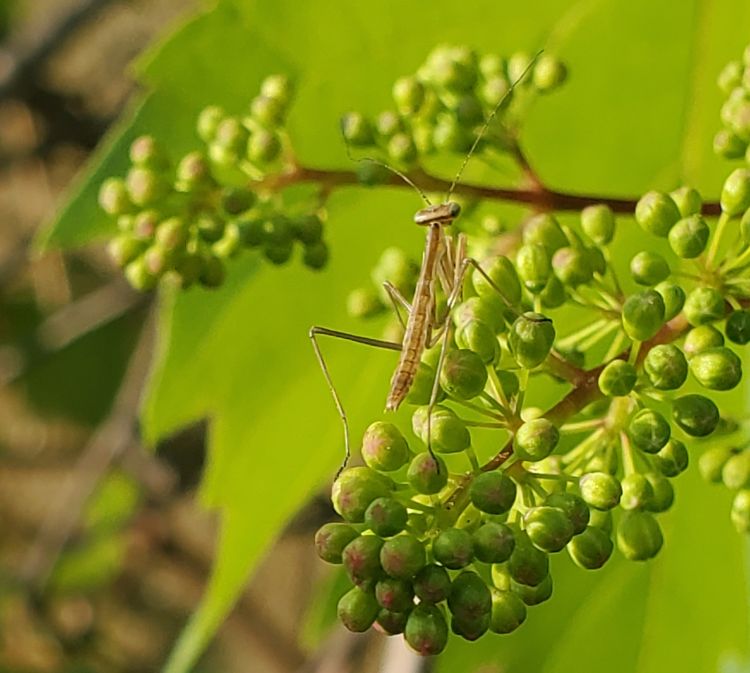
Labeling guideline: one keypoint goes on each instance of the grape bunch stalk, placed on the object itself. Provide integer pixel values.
(438, 534)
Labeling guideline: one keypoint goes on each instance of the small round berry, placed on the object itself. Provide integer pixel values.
(384, 448)
(738, 327)
(453, 68)
(503, 277)
(464, 375)
(508, 612)
(549, 73)
(448, 433)
(704, 305)
(598, 223)
(735, 194)
(618, 379)
(231, 135)
(357, 130)
(527, 564)
(697, 415)
(426, 631)
(673, 296)
(386, 517)
(236, 200)
(371, 174)
(730, 76)
(672, 459)
(470, 629)
(649, 268)
(657, 213)
(548, 528)
(357, 610)
(450, 135)
(361, 559)
(408, 94)
(530, 339)
(113, 197)
(146, 152)
(316, 255)
(666, 367)
(702, 338)
(432, 584)
(536, 439)
(391, 623)
(453, 548)
(208, 122)
(478, 337)
(263, 147)
(636, 491)
(534, 595)
(688, 201)
(402, 556)
(493, 542)
(278, 253)
(268, 111)
(145, 186)
(331, 539)
(643, 315)
(639, 536)
(124, 249)
(553, 295)
(493, 492)
(544, 229)
(139, 276)
(712, 461)
(534, 267)
(574, 507)
(401, 149)
(470, 597)
(689, 237)
(278, 87)
(496, 90)
(394, 594)
(662, 492)
(518, 63)
(736, 471)
(740, 512)
(427, 474)
(717, 368)
(600, 490)
(649, 431)
(355, 489)
(729, 145)
(487, 309)
(572, 266)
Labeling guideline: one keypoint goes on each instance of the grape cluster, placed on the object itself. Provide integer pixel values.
(732, 140)
(444, 105)
(440, 534)
(185, 220)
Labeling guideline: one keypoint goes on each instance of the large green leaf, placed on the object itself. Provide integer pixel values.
(638, 112)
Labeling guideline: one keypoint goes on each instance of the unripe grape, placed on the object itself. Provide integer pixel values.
(673, 296)
(656, 212)
(387, 124)
(422, 133)
(124, 249)
(729, 145)
(643, 315)
(697, 415)
(672, 459)
(527, 564)
(357, 129)
(687, 200)
(618, 379)
(268, 111)
(402, 556)
(534, 595)
(493, 542)
(421, 388)
(331, 539)
(704, 305)
(702, 338)
(598, 222)
(468, 110)
(361, 559)
(504, 277)
(390, 623)
(495, 90)
(600, 490)
(574, 507)
(730, 76)
(316, 255)
(453, 548)
(113, 197)
(508, 612)
(492, 492)
(278, 253)
(450, 136)
(193, 172)
(717, 368)
(208, 122)
(601, 519)
(591, 549)
(738, 327)
(666, 367)
(470, 597)
(548, 528)
(530, 339)
(712, 461)
(544, 229)
(278, 87)
(157, 260)
(536, 439)
(432, 584)
(355, 489)
(735, 194)
(478, 337)
(492, 65)
(139, 276)
(263, 147)
(553, 295)
(357, 610)
(427, 474)
(736, 471)
(572, 266)
(534, 268)
(689, 237)
(470, 629)
(487, 309)
(639, 536)
(463, 375)
(394, 594)
(384, 448)
(426, 631)
(146, 152)
(401, 149)
(448, 434)
(231, 135)
(636, 491)
(145, 186)
(648, 430)
(408, 94)
(662, 492)
(454, 68)
(517, 65)
(210, 227)
(740, 512)
(386, 517)
(549, 73)
(649, 268)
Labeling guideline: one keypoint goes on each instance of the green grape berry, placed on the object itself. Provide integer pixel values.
(124, 249)
(463, 375)
(729, 145)
(574, 507)
(394, 594)
(738, 327)
(384, 448)
(544, 229)
(618, 378)
(208, 122)
(548, 528)
(643, 315)
(145, 186)
(386, 517)
(717, 368)
(673, 296)
(527, 564)
(657, 213)
(357, 610)
(639, 536)
(500, 276)
(493, 492)
(740, 512)
(432, 584)
(689, 237)
(536, 439)
(600, 490)
(704, 305)
(493, 542)
(666, 367)
(637, 491)
(662, 492)
(357, 130)
(712, 461)
(390, 623)
(426, 631)
(649, 431)
(736, 471)
(534, 267)
(470, 597)
(402, 556)
(427, 474)
(591, 549)
(598, 223)
(672, 459)
(263, 147)
(530, 339)
(572, 266)
(649, 268)
(508, 612)
(316, 255)
(478, 337)
(549, 73)
(268, 111)
(361, 559)
(331, 539)
(702, 338)
(453, 548)
(534, 595)
(697, 415)
(355, 489)
(448, 433)
(688, 201)
(735, 194)
(113, 197)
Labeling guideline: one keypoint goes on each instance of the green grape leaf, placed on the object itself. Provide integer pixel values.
(638, 112)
